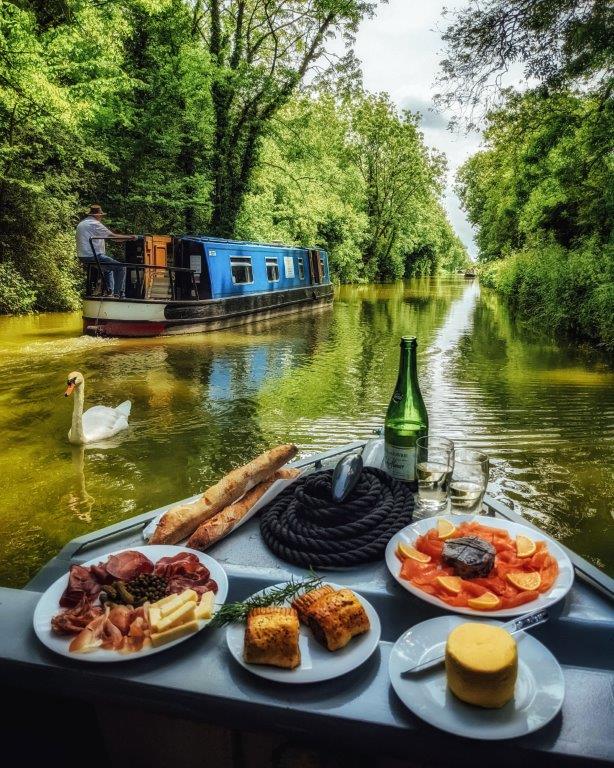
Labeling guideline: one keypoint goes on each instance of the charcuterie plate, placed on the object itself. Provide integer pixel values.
(49, 604)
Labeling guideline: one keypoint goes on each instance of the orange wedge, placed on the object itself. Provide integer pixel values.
(445, 529)
(527, 582)
(486, 602)
(525, 547)
(451, 584)
(414, 554)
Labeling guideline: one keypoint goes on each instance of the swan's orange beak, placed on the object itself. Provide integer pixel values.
(69, 388)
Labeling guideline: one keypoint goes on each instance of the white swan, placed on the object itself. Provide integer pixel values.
(97, 423)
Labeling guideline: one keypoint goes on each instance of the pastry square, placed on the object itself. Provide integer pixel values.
(303, 603)
(271, 637)
(335, 618)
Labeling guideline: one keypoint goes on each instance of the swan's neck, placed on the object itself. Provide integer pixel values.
(76, 430)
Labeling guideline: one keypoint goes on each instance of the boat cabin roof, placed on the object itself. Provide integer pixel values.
(223, 242)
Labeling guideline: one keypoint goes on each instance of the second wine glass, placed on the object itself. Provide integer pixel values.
(434, 465)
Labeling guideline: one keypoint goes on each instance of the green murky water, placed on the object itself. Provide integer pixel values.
(203, 403)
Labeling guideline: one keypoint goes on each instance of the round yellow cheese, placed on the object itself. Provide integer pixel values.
(481, 664)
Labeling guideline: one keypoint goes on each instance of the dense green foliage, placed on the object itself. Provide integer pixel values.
(541, 195)
(186, 117)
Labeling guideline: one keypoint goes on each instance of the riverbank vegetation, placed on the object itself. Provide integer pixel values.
(232, 118)
(541, 192)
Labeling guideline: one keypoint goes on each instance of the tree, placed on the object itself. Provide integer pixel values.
(397, 171)
(159, 135)
(541, 195)
(54, 77)
(261, 50)
(558, 42)
(306, 190)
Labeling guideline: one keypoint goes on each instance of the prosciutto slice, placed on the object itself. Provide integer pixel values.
(128, 565)
(185, 571)
(81, 583)
(72, 620)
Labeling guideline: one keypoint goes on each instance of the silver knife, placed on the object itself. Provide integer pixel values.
(528, 621)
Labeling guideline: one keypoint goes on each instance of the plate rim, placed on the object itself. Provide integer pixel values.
(526, 637)
(96, 657)
(542, 602)
(265, 672)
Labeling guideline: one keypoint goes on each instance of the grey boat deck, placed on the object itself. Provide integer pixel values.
(198, 680)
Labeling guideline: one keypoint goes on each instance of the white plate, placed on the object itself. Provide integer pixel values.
(274, 491)
(317, 663)
(540, 687)
(408, 535)
(49, 605)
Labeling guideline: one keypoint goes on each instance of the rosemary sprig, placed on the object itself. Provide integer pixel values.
(236, 612)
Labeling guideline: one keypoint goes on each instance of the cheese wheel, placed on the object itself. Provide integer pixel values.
(481, 664)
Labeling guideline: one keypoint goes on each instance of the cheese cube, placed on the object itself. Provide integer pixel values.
(160, 638)
(184, 613)
(164, 601)
(205, 607)
(171, 606)
(153, 615)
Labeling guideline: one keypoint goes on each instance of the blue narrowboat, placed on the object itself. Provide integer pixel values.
(192, 284)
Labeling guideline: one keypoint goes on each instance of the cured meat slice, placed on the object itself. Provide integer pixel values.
(128, 565)
(179, 584)
(81, 584)
(99, 572)
(469, 556)
(73, 620)
(181, 564)
(185, 571)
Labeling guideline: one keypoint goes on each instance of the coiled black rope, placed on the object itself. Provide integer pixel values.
(304, 526)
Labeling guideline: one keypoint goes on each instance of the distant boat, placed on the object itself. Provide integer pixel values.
(192, 284)
(470, 274)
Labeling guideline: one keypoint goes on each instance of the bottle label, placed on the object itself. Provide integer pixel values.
(401, 462)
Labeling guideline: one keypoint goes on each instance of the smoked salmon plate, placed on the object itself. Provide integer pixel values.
(479, 565)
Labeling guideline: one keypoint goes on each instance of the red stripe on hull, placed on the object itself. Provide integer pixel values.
(123, 328)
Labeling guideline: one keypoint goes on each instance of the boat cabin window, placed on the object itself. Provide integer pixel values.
(301, 268)
(272, 269)
(322, 270)
(241, 270)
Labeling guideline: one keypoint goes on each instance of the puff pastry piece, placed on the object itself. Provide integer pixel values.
(271, 637)
(336, 618)
(303, 603)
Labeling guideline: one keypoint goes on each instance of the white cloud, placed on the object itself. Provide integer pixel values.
(400, 51)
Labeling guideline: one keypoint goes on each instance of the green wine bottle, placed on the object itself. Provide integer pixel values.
(406, 418)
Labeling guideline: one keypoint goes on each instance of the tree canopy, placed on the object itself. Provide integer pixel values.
(558, 43)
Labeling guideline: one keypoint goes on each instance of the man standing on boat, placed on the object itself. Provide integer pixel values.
(114, 271)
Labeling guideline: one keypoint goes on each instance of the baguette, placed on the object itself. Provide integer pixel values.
(221, 524)
(181, 521)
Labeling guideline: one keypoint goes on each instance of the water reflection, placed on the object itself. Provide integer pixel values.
(201, 404)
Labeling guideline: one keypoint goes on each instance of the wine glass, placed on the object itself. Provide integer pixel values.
(469, 480)
(434, 465)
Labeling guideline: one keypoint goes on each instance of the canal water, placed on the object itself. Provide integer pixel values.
(544, 412)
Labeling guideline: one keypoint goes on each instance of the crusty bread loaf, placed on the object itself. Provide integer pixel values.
(218, 526)
(180, 522)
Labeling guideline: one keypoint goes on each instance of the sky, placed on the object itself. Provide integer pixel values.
(400, 50)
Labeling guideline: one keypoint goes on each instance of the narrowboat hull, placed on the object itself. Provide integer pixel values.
(136, 317)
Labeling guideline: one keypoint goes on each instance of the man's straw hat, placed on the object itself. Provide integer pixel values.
(96, 210)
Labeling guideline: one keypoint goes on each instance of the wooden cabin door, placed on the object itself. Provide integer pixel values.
(157, 282)
(316, 266)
